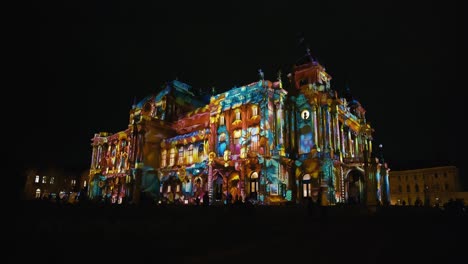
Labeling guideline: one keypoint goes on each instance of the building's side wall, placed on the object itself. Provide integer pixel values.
(429, 185)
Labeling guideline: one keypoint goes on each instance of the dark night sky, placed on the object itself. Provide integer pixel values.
(86, 63)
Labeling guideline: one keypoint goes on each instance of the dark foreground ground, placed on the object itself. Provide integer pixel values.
(46, 233)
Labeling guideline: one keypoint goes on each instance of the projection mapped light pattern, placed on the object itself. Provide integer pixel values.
(262, 142)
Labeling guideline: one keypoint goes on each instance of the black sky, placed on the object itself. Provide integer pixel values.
(84, 64)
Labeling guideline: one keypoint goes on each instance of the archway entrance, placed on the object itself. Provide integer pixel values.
(198, 187)
(310, 188)
(355, 184)
(233, 188)
(218, 188)
(253, 185)
(306, 186)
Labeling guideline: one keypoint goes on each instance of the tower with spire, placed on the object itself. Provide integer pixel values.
(336, 129)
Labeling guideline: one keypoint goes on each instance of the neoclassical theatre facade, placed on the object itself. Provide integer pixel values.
(266, 142)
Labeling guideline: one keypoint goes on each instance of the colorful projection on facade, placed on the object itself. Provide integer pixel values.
(258, 142)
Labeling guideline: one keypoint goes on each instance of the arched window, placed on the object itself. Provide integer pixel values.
(222, 137)
(190, 154)
(113, 154)
(305, 139)
(187, 185)
(222, 144)
(198, 181)
(254, 110)
(221, 120)
(163, 158)
(238, 114)
(172, 156)
(181, 155)
(201, 152)
(306, 185)
(98, 157)
(237, 145)
(408, 188)
(254, 139)
(38, 193)
(147, 108)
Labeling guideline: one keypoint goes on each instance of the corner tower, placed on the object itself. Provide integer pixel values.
(329, 139)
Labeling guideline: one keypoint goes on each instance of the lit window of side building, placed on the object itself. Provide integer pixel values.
(47, 184)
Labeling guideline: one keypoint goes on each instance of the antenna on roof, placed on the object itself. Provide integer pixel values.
(261, 74)
(279, 79)
(134, 101)
(300, 39)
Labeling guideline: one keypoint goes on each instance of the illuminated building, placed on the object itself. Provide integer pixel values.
(428, 186)
(259, 142)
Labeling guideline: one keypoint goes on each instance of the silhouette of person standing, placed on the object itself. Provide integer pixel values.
(206, 199)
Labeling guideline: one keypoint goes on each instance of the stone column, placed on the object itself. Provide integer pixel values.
(328, 128)
(342, 186)
(337, 134)
(385, 185)
(93, 157)
(343, 141)
(138, 164)
(315, 125)
(210, 181)
(319, 123)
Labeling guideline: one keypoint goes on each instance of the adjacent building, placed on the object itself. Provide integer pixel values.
(48, 184)
(427, 186)
(266, 141)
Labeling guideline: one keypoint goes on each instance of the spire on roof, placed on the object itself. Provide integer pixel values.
(261, 74)
(134, 102)
(347, 94)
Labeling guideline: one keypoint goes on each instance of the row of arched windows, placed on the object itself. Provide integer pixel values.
(238, 115)
(436, 176)
(193, 153)
(416, 188)
(44, 179)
